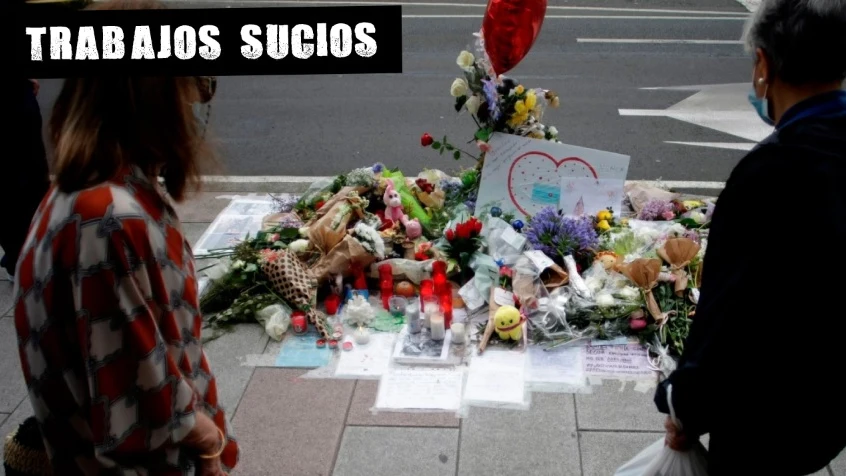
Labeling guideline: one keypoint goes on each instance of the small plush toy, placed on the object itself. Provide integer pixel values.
(395, 212)
(509, 324)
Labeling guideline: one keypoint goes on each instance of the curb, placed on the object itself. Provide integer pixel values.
(298, 185)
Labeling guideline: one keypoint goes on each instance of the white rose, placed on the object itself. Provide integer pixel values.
(594, 284)
(298, 246)
(459, 88)
(630, 292)
(238, 264)
(697, 216)
(553, 131)
(677, 229)
(604, 300)
(465, 60)
(304, 231)
(473, 104)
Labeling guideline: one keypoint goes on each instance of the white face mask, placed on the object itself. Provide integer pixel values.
(201, 115)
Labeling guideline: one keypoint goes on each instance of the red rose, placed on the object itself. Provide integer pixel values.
(319, 205)
(477, 226)
(463, 230)
(450, 235)
(426, 140)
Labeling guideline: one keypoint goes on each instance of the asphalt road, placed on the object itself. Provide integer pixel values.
(323, 125)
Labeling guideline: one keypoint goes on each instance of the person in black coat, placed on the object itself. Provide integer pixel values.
(27, 178)
(762, 369)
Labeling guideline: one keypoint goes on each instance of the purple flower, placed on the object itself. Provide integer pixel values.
(285, 203)
(556, 235)
(451, 188)
(655, 210)
(491, 98)
(710, 211)
(692, 235)
(377, 168)
(471, 200)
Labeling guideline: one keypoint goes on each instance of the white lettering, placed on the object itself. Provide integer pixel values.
(113, 47)
(211, 48)
(35, 42)
(367, 46)
(142, 43)
(86, 45)
(298, 49)
(60, 47)
(341, 38)
(277, 41)
(253, 48)
(185, 42)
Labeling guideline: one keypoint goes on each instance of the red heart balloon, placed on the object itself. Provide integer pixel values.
(510, 28)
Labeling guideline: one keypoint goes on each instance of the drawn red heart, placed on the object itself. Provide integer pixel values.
(539, 167)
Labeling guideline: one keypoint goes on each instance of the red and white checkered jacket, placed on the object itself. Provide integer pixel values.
(108, 323)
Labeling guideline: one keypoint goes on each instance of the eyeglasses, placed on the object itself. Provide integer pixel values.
(207, 85)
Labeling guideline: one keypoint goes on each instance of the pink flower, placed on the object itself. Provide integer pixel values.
(275, 237)
(637, 324)
(483, 146)
(668, 215)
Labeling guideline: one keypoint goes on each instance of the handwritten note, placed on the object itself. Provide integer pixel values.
(368, 360)
(420, 389)
(594, 194)
(497, 378)
(617, 360)
(563, 366)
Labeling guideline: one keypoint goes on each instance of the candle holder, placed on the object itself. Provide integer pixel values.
(446, 308)
(439, 277)
(386, 284)
(430, 306)
(427, 290)
(397, 305)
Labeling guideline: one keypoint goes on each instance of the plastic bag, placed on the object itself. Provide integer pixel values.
(275, 318)
(658, 459)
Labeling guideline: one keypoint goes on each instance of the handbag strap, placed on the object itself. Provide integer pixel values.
(670, 404)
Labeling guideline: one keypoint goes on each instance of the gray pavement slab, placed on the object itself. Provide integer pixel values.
(203, 207)
(193, 231)
(615, 405)
(227, 356)
(6, 297)
(373, 451)
(603, 452)
(365, 396)
(290, 426)
(504, 442)
(12, 384)
(838, 466)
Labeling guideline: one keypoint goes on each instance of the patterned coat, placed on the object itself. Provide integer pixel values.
(108, 324)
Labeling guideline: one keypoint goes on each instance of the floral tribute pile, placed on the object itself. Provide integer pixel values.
(608, 274)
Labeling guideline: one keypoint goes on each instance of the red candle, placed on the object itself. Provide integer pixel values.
(427, 289)
(299, 322)
(386, 280)
(333, 302)
(446, 307)
(439, 277)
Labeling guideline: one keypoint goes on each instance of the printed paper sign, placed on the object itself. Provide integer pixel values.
(523, 175)
(241, 218)
(587, 196)
(617, 361)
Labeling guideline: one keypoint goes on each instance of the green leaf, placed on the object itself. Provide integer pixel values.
(449, 147)
(456, 154)
(289, 234)
(483, 134)
(436, 145)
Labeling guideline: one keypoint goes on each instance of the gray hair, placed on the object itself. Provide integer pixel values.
(804, 40)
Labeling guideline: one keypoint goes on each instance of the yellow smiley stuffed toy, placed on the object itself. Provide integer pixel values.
(509, 323)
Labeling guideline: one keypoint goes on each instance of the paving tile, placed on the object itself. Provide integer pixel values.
(193, 231)
(365, 396)
(6, 298)
(203, 207)
(228, 356)
(604, 452)
(609, 408)
(369, 451)
(290, 426)
(504, 441)
(838, 465)
(20, 414)
(12, 384)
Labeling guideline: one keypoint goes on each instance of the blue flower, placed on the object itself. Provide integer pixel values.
(491, 98)
(556, 235)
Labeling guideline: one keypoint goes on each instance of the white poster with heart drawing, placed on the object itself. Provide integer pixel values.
(523, 175)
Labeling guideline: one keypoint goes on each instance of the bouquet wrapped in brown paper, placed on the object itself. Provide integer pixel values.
(644, 273)
(678, 252)
(294, 283)
(329, 226)
(341, 259)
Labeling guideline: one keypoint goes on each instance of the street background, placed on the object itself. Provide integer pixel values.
(601, 56)
(663, 81)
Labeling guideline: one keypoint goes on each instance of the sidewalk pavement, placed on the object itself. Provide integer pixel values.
(302, 427)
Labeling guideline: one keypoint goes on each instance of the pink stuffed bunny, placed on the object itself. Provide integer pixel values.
(395, 212)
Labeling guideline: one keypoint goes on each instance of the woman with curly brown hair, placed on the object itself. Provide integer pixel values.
(107, 311)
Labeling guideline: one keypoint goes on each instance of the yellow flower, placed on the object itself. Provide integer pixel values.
(603, 225)
(519, 89)
(522, 109)
(604, 215)
(689, 204)
(536, 135)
